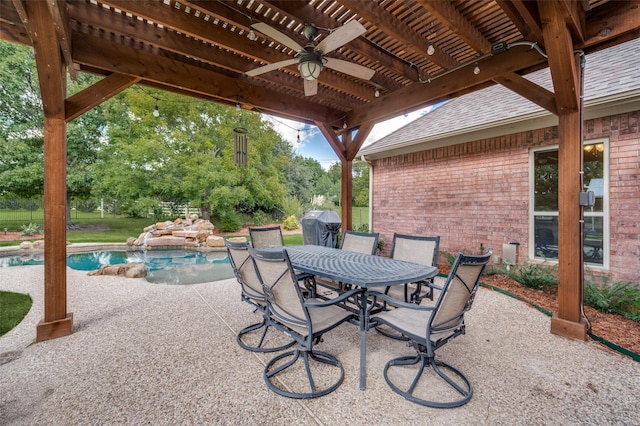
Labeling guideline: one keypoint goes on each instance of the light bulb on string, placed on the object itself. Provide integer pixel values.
(344, 124)
(298, 137)
(476, 69)
(156, 111)
(377, 93)
(431, 50)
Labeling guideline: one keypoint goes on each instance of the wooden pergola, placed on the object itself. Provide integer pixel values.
(422, 52)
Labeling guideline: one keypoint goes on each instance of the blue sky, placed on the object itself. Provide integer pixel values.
(313, 144)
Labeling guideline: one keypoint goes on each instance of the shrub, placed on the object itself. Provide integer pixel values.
(538, 276)
(291, 206)
(290, 223)
(230, 221)
(622, 297)
(30, 229)
(449, 257)
(87, 205)
(261, 218)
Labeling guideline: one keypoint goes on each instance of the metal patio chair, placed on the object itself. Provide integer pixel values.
(416, 249)
(305, 320)
(359, 242)
(428, 328)
(251, 292)
(271, 236)
(266, 236)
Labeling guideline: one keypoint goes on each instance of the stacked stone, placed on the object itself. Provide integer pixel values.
(189, 232)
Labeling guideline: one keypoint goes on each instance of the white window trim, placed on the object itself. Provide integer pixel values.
(605, 214)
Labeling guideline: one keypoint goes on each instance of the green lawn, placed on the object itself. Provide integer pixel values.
(118, 229)
(13, 308)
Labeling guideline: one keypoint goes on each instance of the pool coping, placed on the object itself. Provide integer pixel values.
(83, 247)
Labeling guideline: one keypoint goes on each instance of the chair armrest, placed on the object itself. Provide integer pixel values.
(344, 296)
(397, 303)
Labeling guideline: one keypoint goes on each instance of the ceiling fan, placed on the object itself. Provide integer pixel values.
(311, 58)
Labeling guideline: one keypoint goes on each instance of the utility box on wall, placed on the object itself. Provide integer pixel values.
(510, 253)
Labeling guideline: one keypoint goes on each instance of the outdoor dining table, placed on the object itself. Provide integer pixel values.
(362, 270)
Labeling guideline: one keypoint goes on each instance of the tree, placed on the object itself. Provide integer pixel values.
(186, 154)
(360, 183)
(22, 130)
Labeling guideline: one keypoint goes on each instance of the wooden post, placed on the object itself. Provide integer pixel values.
(566, 76)
(52, 77)
(57, 322)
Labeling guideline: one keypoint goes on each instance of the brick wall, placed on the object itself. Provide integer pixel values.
(477, 193)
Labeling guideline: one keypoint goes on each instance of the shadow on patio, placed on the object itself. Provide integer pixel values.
(160, 354)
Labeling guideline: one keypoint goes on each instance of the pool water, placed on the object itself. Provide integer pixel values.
(163, 266)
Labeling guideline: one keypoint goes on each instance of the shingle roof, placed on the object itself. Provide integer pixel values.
(612, 71)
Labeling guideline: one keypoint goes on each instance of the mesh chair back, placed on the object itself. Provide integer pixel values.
(359, 242)
(281, 288)
(458, 292)
(243, 267)
(416, 249)
(270, 236)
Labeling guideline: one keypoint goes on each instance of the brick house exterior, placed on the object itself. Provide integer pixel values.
(468, 177)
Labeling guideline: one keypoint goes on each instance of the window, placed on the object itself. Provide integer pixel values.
(544, 218)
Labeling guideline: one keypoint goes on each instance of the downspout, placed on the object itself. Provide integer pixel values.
(370, 218)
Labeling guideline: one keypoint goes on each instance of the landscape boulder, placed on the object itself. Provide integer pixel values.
(128, 270)
(188, 232)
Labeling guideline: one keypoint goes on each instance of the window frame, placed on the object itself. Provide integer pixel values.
(604, 214)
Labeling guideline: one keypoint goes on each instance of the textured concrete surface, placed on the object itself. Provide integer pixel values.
(146, 353)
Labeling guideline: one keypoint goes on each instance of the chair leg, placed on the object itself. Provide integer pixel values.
(259, 346)
(444, 371)
(305, 378)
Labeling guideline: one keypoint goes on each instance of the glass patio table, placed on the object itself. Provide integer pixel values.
(362, 270)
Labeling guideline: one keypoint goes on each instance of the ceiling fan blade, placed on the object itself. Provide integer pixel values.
(310, 87)
(343, 35)
(271, 67)
(276, 35)
(350, 68)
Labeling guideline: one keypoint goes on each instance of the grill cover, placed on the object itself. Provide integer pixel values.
(321, 227)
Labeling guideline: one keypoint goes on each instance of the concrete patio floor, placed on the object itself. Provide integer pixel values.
(146, 353)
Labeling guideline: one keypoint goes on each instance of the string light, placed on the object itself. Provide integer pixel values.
(431, 50)
(377, 93)
(156, 111)
(252, 35)
(476, 69)
(344, 124)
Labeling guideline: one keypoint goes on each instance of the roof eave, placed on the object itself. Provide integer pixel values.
(593, 108)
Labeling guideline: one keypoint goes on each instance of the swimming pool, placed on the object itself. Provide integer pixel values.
(163, 266)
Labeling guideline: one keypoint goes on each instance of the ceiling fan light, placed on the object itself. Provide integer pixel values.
(310, 70)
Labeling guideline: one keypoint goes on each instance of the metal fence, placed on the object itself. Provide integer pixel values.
(32, 209)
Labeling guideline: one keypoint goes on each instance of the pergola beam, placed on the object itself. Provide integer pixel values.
(94, 95)
(164, 71)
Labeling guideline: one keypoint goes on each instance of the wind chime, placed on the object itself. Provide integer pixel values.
(240, 146)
